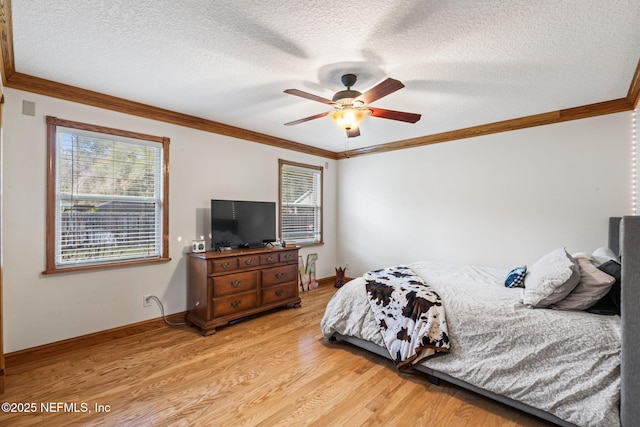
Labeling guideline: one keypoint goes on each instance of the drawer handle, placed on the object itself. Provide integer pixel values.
(287, 256)
(279, 275)
(269, 258)
(235, 283)
(236, 303)
(248, 261)
(225, 265)
(279, 292)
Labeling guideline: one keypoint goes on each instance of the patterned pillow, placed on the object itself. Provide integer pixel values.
(515, 278)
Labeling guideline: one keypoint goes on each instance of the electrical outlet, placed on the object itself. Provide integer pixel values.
(146, 301)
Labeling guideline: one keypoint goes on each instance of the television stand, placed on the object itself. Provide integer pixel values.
(226, 286)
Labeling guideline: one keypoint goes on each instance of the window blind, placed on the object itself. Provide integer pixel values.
(300, 203)
(108, 198)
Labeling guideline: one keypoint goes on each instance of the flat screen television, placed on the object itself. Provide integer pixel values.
(242, 224)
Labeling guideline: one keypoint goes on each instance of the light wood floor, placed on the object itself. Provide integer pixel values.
(270, 370)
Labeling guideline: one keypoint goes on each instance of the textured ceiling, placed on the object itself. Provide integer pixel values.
(464, 63)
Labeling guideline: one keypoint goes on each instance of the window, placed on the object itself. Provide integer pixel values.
(107, 197)
(300, 217)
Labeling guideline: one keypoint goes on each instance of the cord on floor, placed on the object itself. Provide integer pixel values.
(157, 300)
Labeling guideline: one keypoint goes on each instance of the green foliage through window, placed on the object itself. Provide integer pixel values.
(110, 198)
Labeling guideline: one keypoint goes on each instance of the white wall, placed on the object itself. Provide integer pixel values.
(40, 309)
(500, 200)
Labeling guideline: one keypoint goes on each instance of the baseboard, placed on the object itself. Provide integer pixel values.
(327, 281)
(331, 281)
(27, 355)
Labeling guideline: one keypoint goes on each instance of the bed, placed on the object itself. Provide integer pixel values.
(570, 367)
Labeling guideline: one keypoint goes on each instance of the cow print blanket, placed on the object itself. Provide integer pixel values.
(409, 313)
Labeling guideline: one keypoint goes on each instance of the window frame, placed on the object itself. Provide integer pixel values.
(319, 169)
(51, 230)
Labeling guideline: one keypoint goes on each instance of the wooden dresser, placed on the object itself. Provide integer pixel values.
(225, 286)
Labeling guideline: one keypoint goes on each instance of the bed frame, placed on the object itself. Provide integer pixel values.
(624, 239)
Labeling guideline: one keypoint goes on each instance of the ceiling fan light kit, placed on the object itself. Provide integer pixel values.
(351, 106)
(349, 118)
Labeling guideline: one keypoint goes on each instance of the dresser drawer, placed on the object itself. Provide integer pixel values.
(222, 265)
(276, 275)
(234, 283)
(279, 293)
(272, 258)
(288, 256)
(248, 261)
(234, 304)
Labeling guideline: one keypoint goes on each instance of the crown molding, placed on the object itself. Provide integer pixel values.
(6, 41)
(12, 79)
(592, 110)
(83, 96)
(633, 96)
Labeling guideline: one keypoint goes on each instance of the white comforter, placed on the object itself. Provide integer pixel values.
(565, 363)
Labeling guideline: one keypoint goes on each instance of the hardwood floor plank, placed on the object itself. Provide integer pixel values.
(269, 370)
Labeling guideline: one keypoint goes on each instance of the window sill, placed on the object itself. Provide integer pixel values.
(105, 266)
(307, 245)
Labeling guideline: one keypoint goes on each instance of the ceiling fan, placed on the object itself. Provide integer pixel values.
(351, 106)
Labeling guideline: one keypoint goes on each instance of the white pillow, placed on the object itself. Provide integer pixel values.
(550, 279)
(602, 255)
(593, 285)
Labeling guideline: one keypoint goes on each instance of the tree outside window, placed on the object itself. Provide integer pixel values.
(107, 197)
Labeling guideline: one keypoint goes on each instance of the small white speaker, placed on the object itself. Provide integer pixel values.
(199, 246)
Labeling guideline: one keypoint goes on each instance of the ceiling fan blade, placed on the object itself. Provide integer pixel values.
(306, 119)
(395, 115)
(353, 132)
(310, 96)
(381, 89)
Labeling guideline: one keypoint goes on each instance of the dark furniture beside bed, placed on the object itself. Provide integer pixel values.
(624, 239)
(226, 286)
(630, 299)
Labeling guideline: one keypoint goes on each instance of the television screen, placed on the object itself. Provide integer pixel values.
(242, 224)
